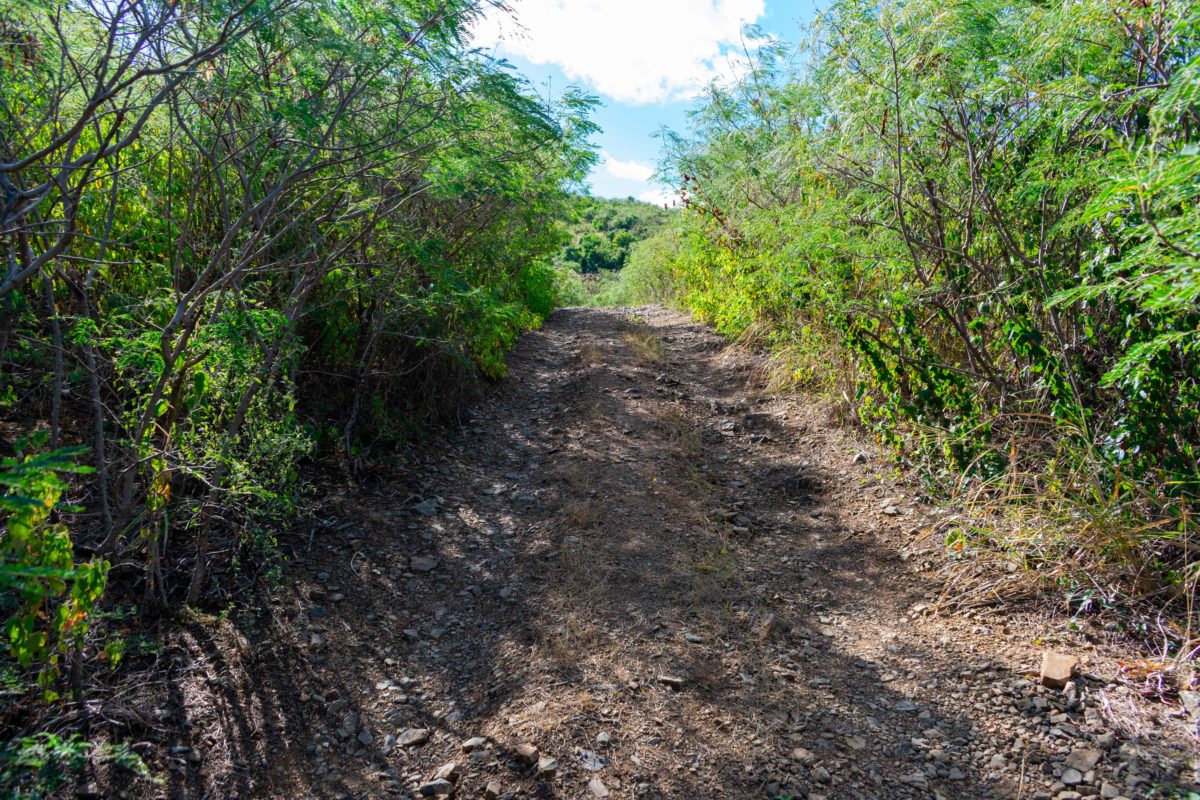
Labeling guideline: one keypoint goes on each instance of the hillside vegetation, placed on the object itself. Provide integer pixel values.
(248, 248)
(235, 237)
(975, 225)
(606, 237)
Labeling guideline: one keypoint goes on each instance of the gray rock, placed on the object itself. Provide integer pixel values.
(427, 508)
(365, 737)
(413, 737)
(1083, 759)
(448, 772)
(422, 564)
(1072, 777)
(597, 788)
(437, 788)
(473, 744)
(547, 768)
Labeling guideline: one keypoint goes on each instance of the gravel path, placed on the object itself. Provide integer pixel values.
(628, 575)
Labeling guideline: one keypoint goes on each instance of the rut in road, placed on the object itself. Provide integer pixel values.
(670, 585)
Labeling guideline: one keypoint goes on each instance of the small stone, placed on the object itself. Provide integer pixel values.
(1106, 741)
(448, 772)
(365, 737)
(413, 737)
(1072, 777)
(916, 779)
(597, 788)
(892, 511)
(803, 755)
(997, 762)
(674, 681)
(1083, 759)
(856, 743)
(527, 753)
(1108, 791)
(492, 790)
(422, 564)
(547, 768)
(1191, 702)
(860, 457)
(604, 739)
(473, 744)
(1057, 669)
(437, 788)
(427, 508)
(906, 706)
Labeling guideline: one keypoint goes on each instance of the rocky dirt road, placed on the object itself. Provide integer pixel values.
(629, 575)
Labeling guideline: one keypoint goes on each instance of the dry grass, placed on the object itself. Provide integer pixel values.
(1062, 525)
(582, 514)
(578, 479)
(680, 432)
(588, 354)
(715, 568)
(646, 345)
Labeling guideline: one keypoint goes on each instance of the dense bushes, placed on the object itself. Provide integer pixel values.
(986, 213)
(237, 235)
(605, 238)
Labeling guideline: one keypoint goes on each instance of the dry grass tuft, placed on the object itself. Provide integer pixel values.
(588, 354)
(646, 346)
(582, 514)
(680, 432)
(1117, 555)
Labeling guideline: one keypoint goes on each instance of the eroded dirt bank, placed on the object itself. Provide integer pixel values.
(668, 585)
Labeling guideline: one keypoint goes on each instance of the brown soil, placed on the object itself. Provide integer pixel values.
(668, 583)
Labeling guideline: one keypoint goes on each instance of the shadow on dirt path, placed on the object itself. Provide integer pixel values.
(669, 585)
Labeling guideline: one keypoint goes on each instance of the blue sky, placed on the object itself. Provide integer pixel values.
(645, 59)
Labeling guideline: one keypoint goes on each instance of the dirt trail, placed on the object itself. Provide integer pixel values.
(671, 586)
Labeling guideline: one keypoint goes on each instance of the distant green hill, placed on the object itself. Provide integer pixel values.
(603, 231)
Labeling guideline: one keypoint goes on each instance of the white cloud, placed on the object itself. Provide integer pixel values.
(634, 51)
(625, 170)
(659, 197)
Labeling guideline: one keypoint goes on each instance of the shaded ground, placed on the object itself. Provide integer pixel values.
(674, 587)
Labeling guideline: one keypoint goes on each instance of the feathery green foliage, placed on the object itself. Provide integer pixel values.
(986, 213)
(236, 236)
